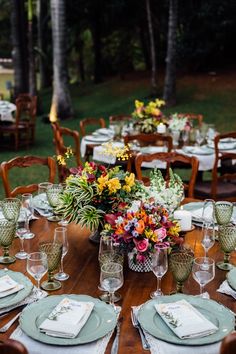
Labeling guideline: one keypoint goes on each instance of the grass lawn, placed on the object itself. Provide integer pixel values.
(213, 96)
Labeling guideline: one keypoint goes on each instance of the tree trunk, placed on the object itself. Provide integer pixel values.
(61, 100)
(32, 74)
(152, 50)
(19, 47)
(41, 15)
(170, 76)
(97, 51)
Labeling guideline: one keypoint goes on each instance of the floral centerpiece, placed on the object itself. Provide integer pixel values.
(148, 117)
(142, 229)
(179, 123)
(93, 191)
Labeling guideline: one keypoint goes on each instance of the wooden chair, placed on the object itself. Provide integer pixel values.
(28, 108)
(228, 345)
(193, 117)
(11, 346)
(88, 122)
(25, 161)
(223, 182)
(58, 138)
(170, 158)
(120, 118)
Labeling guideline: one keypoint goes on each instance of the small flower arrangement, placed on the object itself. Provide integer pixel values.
(177, 123)
(93, 191)
(142, 230)
(148, 117)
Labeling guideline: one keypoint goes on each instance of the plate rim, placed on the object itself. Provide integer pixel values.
(229, 280)
(190, 341)
(102, 139)
(67, 341)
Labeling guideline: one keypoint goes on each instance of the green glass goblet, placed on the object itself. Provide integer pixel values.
(223, 212)
(53, 251)
(11, 208)
(227, 240)
(7, 234)
(181, 266)
(54, 192)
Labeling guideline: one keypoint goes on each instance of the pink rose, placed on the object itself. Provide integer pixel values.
(160, 233)
(140, 258)
(142, 245)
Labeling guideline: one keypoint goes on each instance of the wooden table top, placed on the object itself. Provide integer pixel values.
(81, 263)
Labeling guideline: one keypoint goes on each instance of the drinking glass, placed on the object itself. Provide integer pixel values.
(109, 252)
(27, 204)
(11, 208)
(227, 240)
(42, 188)
(7, 234)
(203, 272)
(21, 231)
(223, 212)
(159, 268)
(175, 135)
(185, 136)
(208, 236)
(60, 236)
(53, 194)
(199, 137)
(37, 267)
(53, 251)
(111, 278)
(63, 221)
(181, 265)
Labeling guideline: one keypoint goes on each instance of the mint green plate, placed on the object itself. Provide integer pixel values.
(218, 314)
(101, 321)
(20, 295)
(231, 278)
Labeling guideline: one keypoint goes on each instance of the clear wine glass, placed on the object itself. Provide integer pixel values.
(21, 230)
(111, 278)
(27, 204)
(208, 236)
(42, 188)
(60, 236)
(185, 137)
(37, 267)
(199, 137)
(159, 268)
(203, 272)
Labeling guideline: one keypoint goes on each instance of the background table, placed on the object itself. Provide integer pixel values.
(81, 263)
(6, 110)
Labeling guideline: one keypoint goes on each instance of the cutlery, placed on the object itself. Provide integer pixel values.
(136, 324)
(5, 328)
(21, 307)
(115, 344)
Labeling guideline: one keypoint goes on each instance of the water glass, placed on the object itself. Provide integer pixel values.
(42, 188)
(227, 241)
(185, 136)
(27, 204)
(11, 208)
(199, 137)
(111, 278)
(37, 267)
(223, 212)
(53, 251)
(208, 236)
(181, 265)
(21, 231)
(60, 236)
(7, 234)
(159, 268)
(203, 272)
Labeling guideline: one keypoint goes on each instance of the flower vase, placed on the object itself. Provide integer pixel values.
(141, 267)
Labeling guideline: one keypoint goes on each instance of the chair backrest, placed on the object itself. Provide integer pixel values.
(28, 104)
(151, 139)
(192, 116)
(88, 122)
(170, 158)
(25, 161)
(228, 345)
(228, 173)
(58, 138)
(119, 118)
(11, 346)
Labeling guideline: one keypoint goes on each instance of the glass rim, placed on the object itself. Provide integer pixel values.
(27, 195)
(60, 228)
(42, 254)
(11, 199)
(44, 184)
(198, 260)
(226, 202)
(118, 265)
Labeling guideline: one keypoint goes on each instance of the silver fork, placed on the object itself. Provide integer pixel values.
(136, 324)
(5, 328)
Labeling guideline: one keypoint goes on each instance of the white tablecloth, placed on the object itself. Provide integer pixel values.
(6, 110)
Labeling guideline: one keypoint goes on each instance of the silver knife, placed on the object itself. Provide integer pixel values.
(115, 344)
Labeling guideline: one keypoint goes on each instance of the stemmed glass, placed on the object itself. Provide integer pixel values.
(42, 188)
(37, 267)
(181, 265)
(53, 251)
(199, 137)
(7, 234)
(11, 208)
(27, 203)
(208, 226)
(111, 279)
(63, 221)
(109, 252)
(159, 268)
(60, 236)
(223, 212)
(185, 136)
(227, 240)
(203, 272)
(53, 194)
(21, 230)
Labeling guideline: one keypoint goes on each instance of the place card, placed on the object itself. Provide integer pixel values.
(9, 286)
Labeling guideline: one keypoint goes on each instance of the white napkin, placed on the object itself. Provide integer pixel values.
(226, 289)
(184, 320)
(9, 286)
(67, 319)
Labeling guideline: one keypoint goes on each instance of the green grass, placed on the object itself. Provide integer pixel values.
(214, 97)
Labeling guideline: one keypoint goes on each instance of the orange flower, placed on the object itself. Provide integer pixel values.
(141, 226)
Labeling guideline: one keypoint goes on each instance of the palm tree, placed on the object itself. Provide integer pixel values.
(152, 50)
(170, 77)
(61, 100)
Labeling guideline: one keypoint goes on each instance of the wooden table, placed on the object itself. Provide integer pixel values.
(81, 263)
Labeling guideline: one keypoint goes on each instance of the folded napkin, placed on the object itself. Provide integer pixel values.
(208, 213)
(9, 286)
(67, 319)
(226, 289)
(184, 320)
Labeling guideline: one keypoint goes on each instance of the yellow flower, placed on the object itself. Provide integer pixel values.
(174, 230)
(160, 103)
(61, 160)
(129, 180)
(69, 152)
(102, 182)
(113, 185)
(150, 235)
(138, 104)
(126, 189)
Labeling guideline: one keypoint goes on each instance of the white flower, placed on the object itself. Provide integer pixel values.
(176, 123)
(135, 206)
